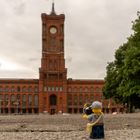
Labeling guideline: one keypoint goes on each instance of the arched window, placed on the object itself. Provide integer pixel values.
(92, 98)
(18, 96)
(30, 89)
(6, 89)
(86, 98)
(98, 90)
(49, 88)
(13, 99)
(24, 100)
(61, 88)
(36, 100)
(18, 89)
(6, 99)
(57, 88)
(52, 88)
(69, 99)
(24, 89)
(35, 89)
(75, 99)
(13, 89)
(30, 100)
(80, 99)
(45, 89)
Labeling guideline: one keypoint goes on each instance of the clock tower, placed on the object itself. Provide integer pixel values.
(52, 73)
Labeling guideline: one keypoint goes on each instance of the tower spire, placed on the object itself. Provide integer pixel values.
(53, 10)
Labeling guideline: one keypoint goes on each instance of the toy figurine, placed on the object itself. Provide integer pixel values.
(95, 126)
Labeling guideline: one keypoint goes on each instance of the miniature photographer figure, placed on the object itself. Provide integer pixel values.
(96, 125)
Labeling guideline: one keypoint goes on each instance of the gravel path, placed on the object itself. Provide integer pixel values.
(66, 127)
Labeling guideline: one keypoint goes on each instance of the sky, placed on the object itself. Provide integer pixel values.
(94, 30)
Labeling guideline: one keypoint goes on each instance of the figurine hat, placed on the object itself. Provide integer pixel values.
(97, 105)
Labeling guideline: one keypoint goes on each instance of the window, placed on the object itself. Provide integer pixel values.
(24, 89)
(36, 100)
(24, 100)
(45, 89)
(35, 89)
(75, 100)
(56, 88)
(98, 90)
(6, 99)
(13, 89)
(13, 99)
(61, 88)
(69, 97)
(52, 88)
(18, 89)
(30, 89)
(6, 89)
(30, 100)
(18, 96)
(80, 99)
(86, 98)
(49, 88)
(92, 98)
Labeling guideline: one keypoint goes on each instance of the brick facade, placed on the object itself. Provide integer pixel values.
(52, 92)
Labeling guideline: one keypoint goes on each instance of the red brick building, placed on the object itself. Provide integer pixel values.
(52, 92)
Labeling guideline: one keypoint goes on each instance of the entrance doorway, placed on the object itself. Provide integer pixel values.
(53, 104)
(53, 100)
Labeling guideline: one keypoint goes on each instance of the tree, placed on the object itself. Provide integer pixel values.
(122, 81)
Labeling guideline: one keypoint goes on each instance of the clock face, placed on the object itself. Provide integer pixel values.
(53, 30)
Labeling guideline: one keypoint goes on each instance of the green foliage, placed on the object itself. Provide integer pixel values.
(122, 81)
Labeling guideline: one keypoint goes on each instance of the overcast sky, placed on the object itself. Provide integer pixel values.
(94, 29)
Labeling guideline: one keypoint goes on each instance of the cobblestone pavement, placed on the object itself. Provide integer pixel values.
(66, 127)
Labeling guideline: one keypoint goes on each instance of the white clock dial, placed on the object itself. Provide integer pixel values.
(53, 30)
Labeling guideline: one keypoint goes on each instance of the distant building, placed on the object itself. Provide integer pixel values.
(52, 92)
